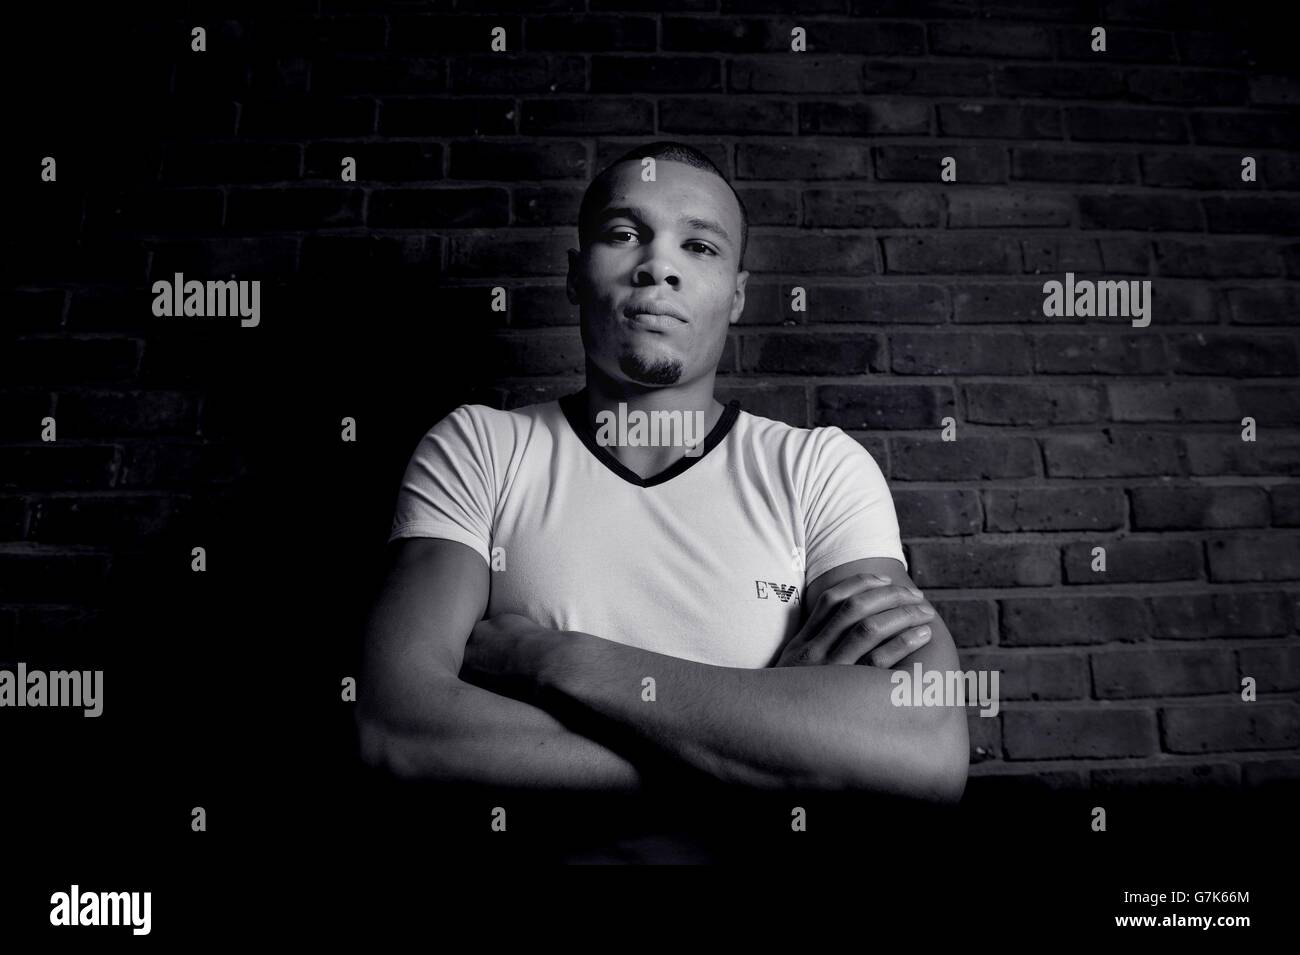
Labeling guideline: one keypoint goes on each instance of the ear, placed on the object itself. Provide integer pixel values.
(571, 282)
(738, 301)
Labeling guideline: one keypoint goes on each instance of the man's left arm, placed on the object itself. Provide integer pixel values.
(831, 727)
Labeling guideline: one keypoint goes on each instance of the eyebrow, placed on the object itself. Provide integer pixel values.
(695, 222)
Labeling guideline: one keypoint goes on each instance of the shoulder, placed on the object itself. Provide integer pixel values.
(485, 424)
(807, 452)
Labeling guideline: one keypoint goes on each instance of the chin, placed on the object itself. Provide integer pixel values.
(651, 368)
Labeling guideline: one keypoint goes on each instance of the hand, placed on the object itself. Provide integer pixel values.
(505, 652)
(863, 619)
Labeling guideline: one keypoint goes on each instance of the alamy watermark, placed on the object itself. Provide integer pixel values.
(1087, 299)
(209, 299)
(81, 688)
(651, 429)
(962, 688)
(103, 908)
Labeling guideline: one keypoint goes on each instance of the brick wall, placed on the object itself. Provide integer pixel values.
(925, 302)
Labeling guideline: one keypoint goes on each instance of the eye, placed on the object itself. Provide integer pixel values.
(613, 232)
(706, 248)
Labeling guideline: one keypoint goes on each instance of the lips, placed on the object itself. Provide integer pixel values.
(654, 308)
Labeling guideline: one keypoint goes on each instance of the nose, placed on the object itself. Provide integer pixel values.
(656, 267)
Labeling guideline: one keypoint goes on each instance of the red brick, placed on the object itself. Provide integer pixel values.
(974, 457)
(1072, 165)
(666, 74)
(494, 73)
(991, 39)
(1194, 87)
(448, 34)
(1264, 305)
(922, 163)
(980, 564)
(1077, 733)
(864, 117)
(1268, 772)
(110, 413)
(1129, 560)
(438, 208)
(468, 116)
(1276, 557)
(945, 512)
(385, 162)
(1033, 676)
(1156, 46)
(999, 121)
(1123, 674)
(1181, 169)
(1231, 727)
(1071, 620)
(106, 520)
(796, 160)
(1112, 454)
(888, 406)
(1058, 82)
(804, 75)
(1215, 128)
(959, 353)
(872, 208)
(1276, 669)
(997, 208)
(1237, 354)
(1172, 401)
(1180, 776)
(1191, 508)
(1271, 215)
(804, 353)
(739, 115)
(1098, 353)
(1200, 615)
(606, 116)
(834, 254)
(1034, 405)
(1010, 510)
(944, 253)
(351, 74)
(495, 160)
(1218, 454)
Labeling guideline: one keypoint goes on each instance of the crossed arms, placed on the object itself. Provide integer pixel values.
(448, 696)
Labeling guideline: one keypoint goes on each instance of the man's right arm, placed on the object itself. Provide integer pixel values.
(418, 720)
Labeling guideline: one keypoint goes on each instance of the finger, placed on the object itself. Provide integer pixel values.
(906, 643)
(870, 632)
(854, 617)
(801, 646)
(837, 593)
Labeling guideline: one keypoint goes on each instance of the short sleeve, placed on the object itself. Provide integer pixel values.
(448, 489)
(848, 512)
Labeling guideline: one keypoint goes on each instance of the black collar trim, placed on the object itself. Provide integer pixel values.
(574, 407)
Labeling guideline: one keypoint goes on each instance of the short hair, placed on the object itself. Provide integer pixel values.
(663, 149)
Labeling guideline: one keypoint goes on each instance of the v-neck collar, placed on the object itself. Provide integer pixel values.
(574, 407)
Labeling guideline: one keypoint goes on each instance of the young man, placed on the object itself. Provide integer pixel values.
(706, 600)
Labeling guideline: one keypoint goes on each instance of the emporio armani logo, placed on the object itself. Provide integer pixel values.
(784, 591)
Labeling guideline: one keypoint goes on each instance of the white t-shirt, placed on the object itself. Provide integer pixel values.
(704, 561)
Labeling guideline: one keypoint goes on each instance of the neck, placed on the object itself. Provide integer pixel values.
(692, 401)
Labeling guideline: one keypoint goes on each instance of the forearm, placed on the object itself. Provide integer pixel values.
(466, 734)
(830, 727)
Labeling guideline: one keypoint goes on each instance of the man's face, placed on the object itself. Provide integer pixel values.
(654, 245)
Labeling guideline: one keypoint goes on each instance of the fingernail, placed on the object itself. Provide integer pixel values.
(883, 580)
(923, 632)
(914, 592)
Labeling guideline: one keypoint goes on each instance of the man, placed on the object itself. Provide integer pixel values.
(731, 603)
